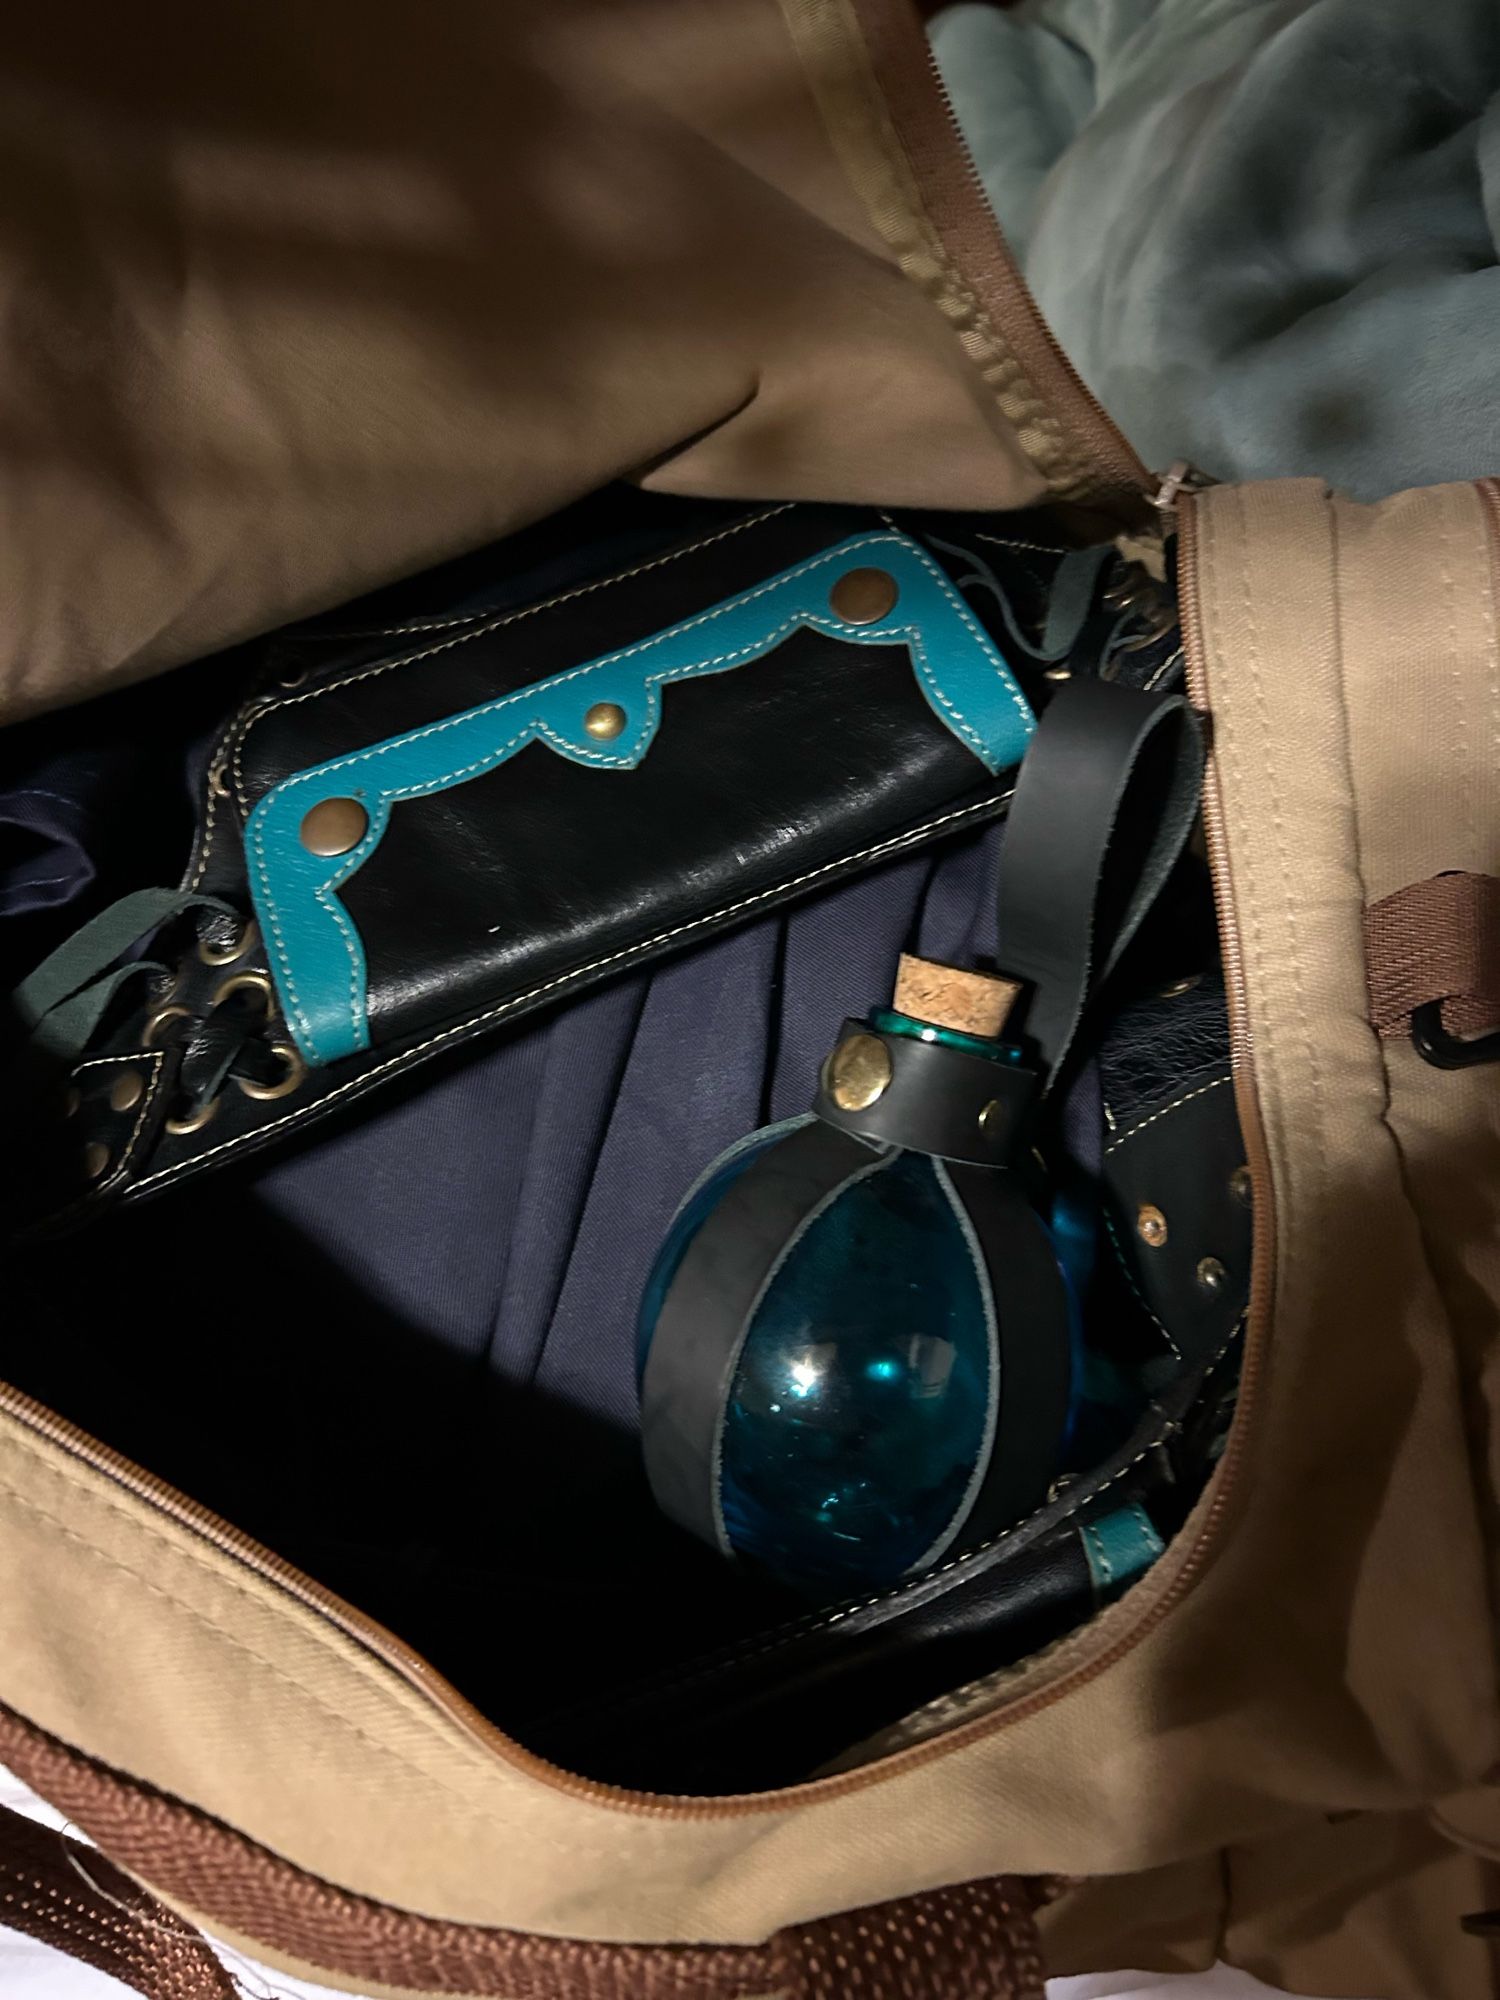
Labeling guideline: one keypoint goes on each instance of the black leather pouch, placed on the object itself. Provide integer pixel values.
(416, 831)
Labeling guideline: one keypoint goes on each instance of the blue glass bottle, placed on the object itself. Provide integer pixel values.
(856, 1341)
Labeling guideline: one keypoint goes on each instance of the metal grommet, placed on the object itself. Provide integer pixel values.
(258, 983)
(1211, 1275)
(864, 596)
(858, 1073)
(296, 1070)
(1181, 986)
(1241, 1186)
(95, 1158)
(1151, 1225)
(194, 1121)
(218, 779)
(228, 952)
(72, 1101)
(293, 679)
(127, 1090)
(159, 1020)
(604, 721)
(333, 826)
(1058, 674)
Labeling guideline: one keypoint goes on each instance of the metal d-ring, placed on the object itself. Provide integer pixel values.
(1435, 1045)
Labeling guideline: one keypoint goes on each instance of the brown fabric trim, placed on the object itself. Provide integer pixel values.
(65, 1895)
(976, 1941)
(1436, 940)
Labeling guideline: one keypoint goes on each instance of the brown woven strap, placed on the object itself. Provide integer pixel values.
(1437, 940)
(973, 1942)
(67, 1896)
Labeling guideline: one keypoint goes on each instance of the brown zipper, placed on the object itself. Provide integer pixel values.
(1107, 477)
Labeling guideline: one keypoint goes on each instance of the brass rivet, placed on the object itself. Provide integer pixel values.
(1151, 1225)
(95, 1158)
(1241, 1186)
(1058, 674)
(858, 1072)
(333, 826)
(127, 1090)
(1211, 1274)
(1181, 986)
(864, 596)
(604, 721)
(72, 1099)
(992, 1120)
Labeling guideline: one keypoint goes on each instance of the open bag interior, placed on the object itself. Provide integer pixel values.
(400, 1354)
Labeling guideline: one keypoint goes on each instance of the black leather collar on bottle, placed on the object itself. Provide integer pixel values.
(1105, 802)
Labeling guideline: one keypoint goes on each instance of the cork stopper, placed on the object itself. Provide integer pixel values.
(972, 1003)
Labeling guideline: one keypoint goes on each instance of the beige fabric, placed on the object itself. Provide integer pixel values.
(1335, 1654)
(300, 299)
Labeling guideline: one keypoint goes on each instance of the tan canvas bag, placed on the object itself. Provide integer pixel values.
(306, 299)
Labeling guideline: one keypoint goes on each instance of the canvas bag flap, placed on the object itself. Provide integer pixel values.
(303, 301)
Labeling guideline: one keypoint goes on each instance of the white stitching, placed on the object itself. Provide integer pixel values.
(1202, 1091)
(1128, 1274)
(796, 621)
(574, 590)
(155, 1058)
(984, 808)
(255, 710)
(498, 623)
(1095, 1540)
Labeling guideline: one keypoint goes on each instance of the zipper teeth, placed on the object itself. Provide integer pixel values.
(230, 1541)
(1058, 354)
(977, 187)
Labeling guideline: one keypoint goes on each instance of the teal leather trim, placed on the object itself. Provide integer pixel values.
(316, 954)
(1119, 1548)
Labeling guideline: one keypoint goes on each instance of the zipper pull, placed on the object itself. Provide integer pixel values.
(1179, 478)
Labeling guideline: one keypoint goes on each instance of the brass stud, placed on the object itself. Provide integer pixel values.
(333, 826)
(1151, 1225)
(1181, 986)
(858, 1073)
(864, 596)
(604, 721)
(72, 1101)
(1058, 674)
(226, 951)
(992, 1121)
(127, 1090)
(95, 1158)
(1211, 1275)
(294, 1069)
(1242, 1187)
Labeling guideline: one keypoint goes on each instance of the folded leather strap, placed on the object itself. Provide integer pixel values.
(1107, 796)
(1436, 942)
(976, 1941)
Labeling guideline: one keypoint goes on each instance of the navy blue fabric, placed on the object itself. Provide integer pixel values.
(510, 1210)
